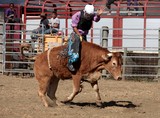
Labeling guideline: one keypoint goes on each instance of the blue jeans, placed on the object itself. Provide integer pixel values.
(73, 48)
(52, 30)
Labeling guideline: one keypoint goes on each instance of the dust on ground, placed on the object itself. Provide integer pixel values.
(121, 99)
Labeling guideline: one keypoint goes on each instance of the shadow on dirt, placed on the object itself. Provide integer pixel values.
(125, 104)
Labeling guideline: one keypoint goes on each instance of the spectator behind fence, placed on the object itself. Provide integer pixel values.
(135, 3)
(43, 22)
(54, 24)
(55, 9)
(108, 5)
(10, 14)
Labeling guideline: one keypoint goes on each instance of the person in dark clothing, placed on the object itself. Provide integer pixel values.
(108, 5)
(43, 22)
(10, 14)
(81, 24)
(129, 3)
(54, 24)
(54, 6)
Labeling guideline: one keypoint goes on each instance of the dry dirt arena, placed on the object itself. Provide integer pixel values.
(121, 99)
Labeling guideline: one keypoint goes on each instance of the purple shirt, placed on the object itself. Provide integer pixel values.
(9, 12)
(75, 21)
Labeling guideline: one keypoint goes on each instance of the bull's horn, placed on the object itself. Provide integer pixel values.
(109, 54)
(106, 57)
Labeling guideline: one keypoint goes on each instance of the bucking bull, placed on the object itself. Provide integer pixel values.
(51, 66)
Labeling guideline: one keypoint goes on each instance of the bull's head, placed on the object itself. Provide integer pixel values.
(114, 64)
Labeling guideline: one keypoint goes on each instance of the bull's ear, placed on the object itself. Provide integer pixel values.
(106, 57)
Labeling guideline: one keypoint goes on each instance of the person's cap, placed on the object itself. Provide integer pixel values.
(42, 14)
(89, 9)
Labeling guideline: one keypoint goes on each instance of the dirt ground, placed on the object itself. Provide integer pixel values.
(121, 99)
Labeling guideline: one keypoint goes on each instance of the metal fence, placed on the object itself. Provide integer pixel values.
(141, 53)
(138, 62)
(12, 62)
(141, 64)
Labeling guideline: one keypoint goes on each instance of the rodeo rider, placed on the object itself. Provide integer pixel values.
(81, 24)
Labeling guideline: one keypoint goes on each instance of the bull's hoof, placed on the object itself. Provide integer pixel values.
(99, 104)
(46, 105)
(66, 101)
(80, 89)
(59, 103)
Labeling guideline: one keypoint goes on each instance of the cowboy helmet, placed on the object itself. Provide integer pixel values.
(89, 9)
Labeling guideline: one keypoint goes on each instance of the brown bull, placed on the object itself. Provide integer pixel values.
(50, 67)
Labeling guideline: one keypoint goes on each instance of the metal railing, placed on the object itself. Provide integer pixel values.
(12, 39)
(138, 62)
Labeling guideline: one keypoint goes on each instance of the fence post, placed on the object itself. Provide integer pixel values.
(1, 46)
(105, 31)
(124, 63)
(158, 72)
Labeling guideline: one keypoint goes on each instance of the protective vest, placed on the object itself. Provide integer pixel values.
(84, 24)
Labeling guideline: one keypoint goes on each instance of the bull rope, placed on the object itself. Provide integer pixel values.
(48, 53)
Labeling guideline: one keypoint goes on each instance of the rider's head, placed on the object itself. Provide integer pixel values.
(89, 11)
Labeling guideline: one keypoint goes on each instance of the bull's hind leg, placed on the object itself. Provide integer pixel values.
(52, 89)
(76, 88)
(96, 89)
(43, 86)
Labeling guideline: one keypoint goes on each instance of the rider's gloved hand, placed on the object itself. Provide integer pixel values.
(80, 37)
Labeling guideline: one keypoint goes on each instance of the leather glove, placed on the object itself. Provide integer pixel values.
(81, 38)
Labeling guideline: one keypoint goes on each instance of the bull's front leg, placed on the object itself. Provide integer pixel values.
(76, 88)
(96, 89)
(43, 86)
